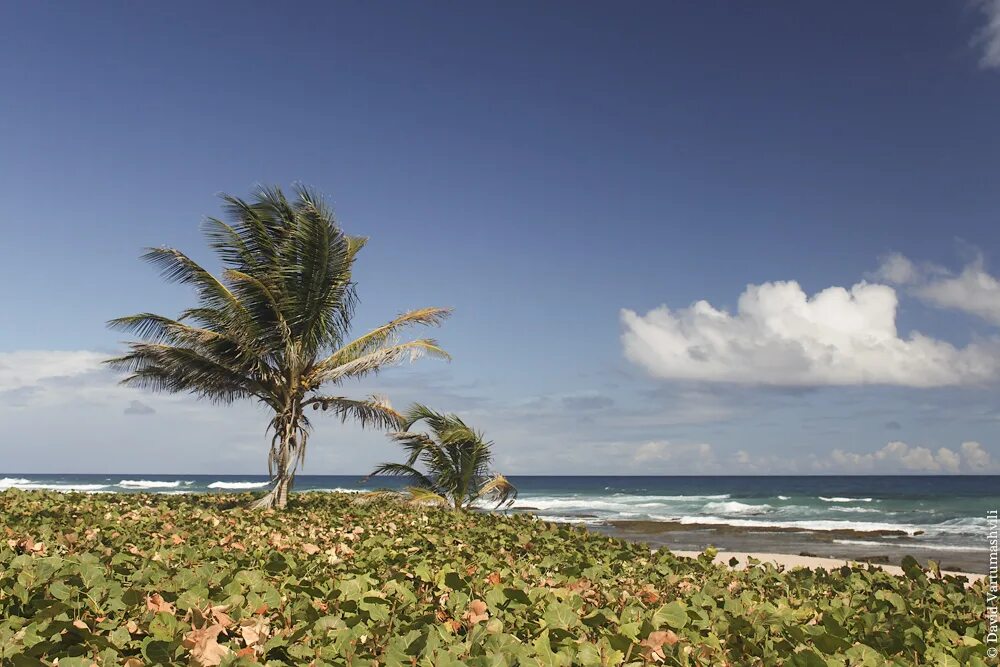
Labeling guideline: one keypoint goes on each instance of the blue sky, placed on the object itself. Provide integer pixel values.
(569, 177)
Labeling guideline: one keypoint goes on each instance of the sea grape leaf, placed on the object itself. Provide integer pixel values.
(560, 615)
(673, 614)
(912, 568)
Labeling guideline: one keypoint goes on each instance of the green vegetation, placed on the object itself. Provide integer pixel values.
(348, 580)
(274, 328)
(456, 459)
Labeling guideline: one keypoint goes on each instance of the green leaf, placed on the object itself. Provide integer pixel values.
(912, 568)
(163, 626)
(560, 615)
(157, 651)
(60, 591)
(673, 614)
(807, 658)
(895, 599)
(76, 662)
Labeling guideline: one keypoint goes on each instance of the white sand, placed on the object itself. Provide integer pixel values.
(790, 561)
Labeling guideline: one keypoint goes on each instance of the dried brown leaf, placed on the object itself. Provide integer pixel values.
(204, 647)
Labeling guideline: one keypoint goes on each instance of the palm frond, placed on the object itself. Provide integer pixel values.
(316, 274)
(402, 470)
(177, 267)
(414, 444)
(419, 412)
(498, 489)
(386, 334)
(229, 245)
(375, 411)
(375, 361)
(156, 328)
(175, 369)
(422, 496)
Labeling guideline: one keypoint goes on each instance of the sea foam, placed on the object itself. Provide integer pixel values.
(838, 499)
(911, 545)
(150, 484)
(733, 507)
(238, 485)
(817, 525)
(29, 485)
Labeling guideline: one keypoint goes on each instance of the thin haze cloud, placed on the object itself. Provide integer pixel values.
(988, 37)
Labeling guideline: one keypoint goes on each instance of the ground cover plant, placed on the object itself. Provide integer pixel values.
(340, 579)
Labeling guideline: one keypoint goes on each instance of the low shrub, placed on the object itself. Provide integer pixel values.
(344, 580)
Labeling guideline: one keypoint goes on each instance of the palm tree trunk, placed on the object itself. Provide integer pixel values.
(277, 497)
(281, 488)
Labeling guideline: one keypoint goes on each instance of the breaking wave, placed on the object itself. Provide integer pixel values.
(911, 545)
(151, 484)
(733, 507)
(238, 485)
(29, 485)
(818, 525)
(838, 499)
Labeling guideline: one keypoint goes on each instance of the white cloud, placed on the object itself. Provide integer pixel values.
(948, 460)
(972, 291)
(781, 336)
(60, 378)
(896, 269)
(976, 458)
(29, 368)
(900, 457)
(988, 37)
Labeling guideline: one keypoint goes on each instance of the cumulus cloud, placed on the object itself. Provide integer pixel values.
(987, 38)
(976, 458)
(973, 290)
(779, 335)
(900, 457)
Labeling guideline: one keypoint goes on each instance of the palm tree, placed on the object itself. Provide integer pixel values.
(456, 459)
(274, 327)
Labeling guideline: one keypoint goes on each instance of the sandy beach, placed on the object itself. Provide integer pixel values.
(883, 548)
(790, 561)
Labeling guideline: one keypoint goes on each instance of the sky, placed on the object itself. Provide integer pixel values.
(678, 238)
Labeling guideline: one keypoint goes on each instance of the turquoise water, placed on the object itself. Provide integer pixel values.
(934, 512)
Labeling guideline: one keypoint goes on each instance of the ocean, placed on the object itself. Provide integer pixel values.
(879, 517)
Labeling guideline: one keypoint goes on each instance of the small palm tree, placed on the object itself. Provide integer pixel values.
(274, 327)
(456, 459)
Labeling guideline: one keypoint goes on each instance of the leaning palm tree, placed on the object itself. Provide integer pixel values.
(274, 327)
(456, 459)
